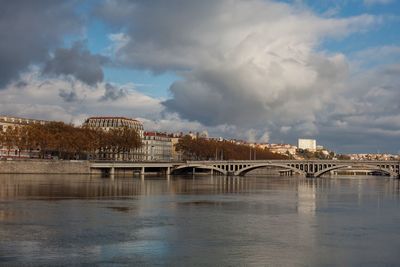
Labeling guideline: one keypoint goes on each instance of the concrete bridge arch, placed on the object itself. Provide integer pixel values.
(200, 166)
(368, 167)
(245, 170)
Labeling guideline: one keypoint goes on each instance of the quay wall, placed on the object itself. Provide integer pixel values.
(44, 167)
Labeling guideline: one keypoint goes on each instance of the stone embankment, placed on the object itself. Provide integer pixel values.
(44, 166)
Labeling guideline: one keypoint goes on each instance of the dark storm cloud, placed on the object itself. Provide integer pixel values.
(164, 35)
(21, 84)
(78, 62)
(68, 96)
(29, 29)
(113, 93)
(258, 65)
(246, 64)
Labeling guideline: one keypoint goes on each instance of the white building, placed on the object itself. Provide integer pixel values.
(157, 146)
(307, 144)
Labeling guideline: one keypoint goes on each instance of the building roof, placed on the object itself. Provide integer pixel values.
(111, 118)
(19, 120)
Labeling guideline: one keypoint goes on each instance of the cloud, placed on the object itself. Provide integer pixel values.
(249, 64)
(365, 117)
(169, 36)
(112, 93)
(373, 56)
(255, 66)
(74, 102)
(68, 96)
(253, 70)
(78, 62)
(264, 138)
(251, 94)
(29, 30)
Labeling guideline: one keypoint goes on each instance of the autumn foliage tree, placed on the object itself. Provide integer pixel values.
(204, 149)
(67, 141)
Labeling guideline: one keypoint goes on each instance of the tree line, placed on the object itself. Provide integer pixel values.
(65, 141)
(205, 149)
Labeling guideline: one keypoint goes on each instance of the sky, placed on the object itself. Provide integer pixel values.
(256, 70)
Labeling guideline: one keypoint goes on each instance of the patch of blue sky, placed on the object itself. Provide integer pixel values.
(145, 81)
(94, 36)
(346, 8)
(95, 32)
(385, 33)
(98, 42)
(379, 35)
(97, 37)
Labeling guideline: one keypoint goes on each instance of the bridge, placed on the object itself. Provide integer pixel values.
(307, 168)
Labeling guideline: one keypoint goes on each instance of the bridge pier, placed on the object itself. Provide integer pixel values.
(112, 173)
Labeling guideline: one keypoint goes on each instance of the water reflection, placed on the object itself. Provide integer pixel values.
(64, 187)
(198, 220)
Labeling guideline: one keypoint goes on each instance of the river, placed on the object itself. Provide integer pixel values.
(199, 221)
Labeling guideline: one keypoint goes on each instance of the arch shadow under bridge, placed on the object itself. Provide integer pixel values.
(245, 170)
(355, 167)
(200, 166)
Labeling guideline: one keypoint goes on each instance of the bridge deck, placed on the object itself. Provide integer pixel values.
(240, 167)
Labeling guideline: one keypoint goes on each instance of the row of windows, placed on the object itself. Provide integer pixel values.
(157, 143)
(20, 121)
(160, 138)
(114, 123)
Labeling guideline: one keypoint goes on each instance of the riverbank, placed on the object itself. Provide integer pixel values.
(44, 167)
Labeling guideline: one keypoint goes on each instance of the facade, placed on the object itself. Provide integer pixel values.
(157, 146)
(12, 122)
(6, 123)
(308, 144)
(107, 123)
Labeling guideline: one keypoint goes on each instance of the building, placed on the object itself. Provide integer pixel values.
(307, 144)
(6, 123)
(157, 146)
(107, 123)
(283, 149)
(373, 157)
(12, 122)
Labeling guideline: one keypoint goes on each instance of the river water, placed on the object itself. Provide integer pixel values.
(199, 221)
